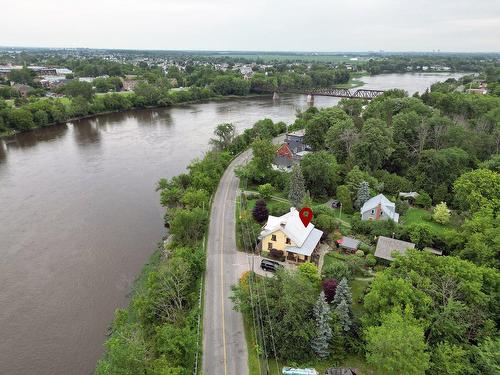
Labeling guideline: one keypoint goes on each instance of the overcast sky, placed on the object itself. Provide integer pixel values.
(265, 25)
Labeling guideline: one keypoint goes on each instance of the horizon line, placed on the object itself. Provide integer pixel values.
(380, 51)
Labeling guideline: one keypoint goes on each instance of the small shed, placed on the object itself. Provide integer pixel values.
(386, 246)
(348, 244)
(433, 251)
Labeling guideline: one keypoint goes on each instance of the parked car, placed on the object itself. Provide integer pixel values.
(270, 265)
(336, 204)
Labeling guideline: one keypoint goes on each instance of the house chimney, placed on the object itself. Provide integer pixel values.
(378, 210)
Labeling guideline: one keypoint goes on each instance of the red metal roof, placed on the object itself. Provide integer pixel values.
(284, 150)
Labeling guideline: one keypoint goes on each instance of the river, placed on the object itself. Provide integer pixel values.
(79, 218)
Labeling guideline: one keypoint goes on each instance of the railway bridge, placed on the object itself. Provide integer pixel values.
(364, 94)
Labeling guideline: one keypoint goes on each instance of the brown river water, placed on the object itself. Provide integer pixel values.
(79, 217)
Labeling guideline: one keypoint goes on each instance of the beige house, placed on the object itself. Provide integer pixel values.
(288, 235)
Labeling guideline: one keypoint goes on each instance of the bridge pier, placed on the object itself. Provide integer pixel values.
(310, 99)
(276, 96)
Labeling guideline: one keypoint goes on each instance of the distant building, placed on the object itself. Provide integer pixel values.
(23, 90)
(481, 90)
(387, 246)
(43, 71)
(284, 158)
(291, 151)
(379, 208)
(86, 79)
(63, 71)
(51, 82)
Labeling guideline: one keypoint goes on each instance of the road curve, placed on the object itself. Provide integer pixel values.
(224, 346)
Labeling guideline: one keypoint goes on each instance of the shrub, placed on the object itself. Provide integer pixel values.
(326, 223)
(355, 264)
(360, 253)
(310, 272)
(260, 212)
(251, 196)
(278, 208)
(336, 270)
(421, 235)
(366, 248)
(188, 226)
(277, 254)
(330, 287)
(423, 200)
(441, 213)
(402, 206)
(371, 261)
(266, 191)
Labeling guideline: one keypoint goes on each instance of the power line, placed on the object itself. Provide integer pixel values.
(258, 308)
(250, 282)
(273, 341)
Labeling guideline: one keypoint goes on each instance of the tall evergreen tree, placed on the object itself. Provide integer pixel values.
(343, 313)
(363, 194)
(343, 293)
(297, 187)
(323, 335)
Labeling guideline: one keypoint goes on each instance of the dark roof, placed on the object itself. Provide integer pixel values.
(339, 371)
(386, 246)
(349, 243)
(19, 86)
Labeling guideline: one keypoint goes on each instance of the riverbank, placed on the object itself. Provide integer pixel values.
(164, 311)
(219, 98)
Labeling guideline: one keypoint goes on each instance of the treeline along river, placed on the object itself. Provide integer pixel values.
(79, 218)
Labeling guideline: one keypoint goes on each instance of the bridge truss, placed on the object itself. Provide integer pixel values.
(346, 93)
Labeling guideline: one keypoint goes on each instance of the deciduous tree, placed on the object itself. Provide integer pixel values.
(397, 346)
(441, 213)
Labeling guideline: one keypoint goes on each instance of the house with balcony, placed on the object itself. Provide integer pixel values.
(287, 236)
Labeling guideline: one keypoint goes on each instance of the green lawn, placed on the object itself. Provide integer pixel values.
(357, 284)
(357, 288)
(419, 215)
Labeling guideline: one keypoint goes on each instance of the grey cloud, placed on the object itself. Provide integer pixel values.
(319, 25)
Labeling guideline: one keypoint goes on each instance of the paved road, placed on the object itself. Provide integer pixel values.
(224, 346)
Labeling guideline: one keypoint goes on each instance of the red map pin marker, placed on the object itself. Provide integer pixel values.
(306, 215)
